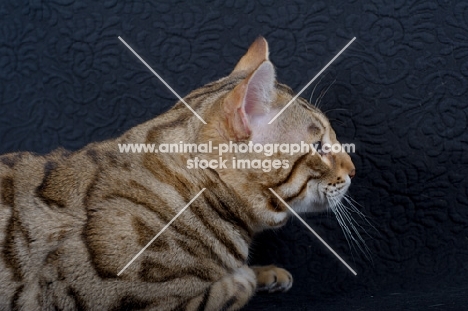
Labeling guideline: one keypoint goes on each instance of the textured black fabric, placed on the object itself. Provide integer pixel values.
(399, 93)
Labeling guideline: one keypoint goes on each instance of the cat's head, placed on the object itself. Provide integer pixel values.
(250, 99)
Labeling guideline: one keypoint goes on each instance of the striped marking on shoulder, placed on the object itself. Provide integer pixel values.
(9, 253)
(231, 301)
(140, 195)
(7, 188)
(205, 298)
(228, 211)
(93, 154)
(11, 160)
(90, 188)
(146, 233)
(112, 158)
(153, 271)
(201, 211)
(14, 300)
(80, 302)
(165, 174)
(197, 247)
(190, 247)
(44, 191)
(128, 302)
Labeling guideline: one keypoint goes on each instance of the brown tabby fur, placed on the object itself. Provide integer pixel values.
(69, 222)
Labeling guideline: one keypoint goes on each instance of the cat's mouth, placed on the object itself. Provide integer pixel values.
(319, 197)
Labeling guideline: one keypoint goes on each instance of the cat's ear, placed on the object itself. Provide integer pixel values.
(249, 100)
(257, 54)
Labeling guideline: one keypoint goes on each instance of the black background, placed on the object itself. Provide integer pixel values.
(399, 94)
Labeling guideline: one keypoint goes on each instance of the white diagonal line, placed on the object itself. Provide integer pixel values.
(315, 233)
(313, 79)
(162, 80)
(160, 232)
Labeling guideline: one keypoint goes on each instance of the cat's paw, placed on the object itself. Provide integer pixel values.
(272, 279)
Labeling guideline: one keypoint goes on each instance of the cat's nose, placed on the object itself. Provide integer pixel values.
(352, 173)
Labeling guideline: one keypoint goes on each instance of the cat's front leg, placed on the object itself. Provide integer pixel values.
(272, 279)
(230, 293)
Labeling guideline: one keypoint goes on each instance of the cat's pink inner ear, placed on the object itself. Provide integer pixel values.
(250, 99)
(257, 54)
(259, 91)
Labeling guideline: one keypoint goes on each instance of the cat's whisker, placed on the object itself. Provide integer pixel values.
(352, 221)
(342, 123)
(349, 210)
(347, 237)
(341, 222)
(350, 198)
(356, 237)
(350, 226)
(353, 208)
(313, 90)
(340, 218)
(322, 95)
(357, 211)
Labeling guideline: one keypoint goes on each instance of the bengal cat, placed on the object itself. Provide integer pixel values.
(70, 221)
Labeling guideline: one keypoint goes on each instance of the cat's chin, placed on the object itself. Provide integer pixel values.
(309, 206)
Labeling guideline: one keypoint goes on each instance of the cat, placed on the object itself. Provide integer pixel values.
(70, 221)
